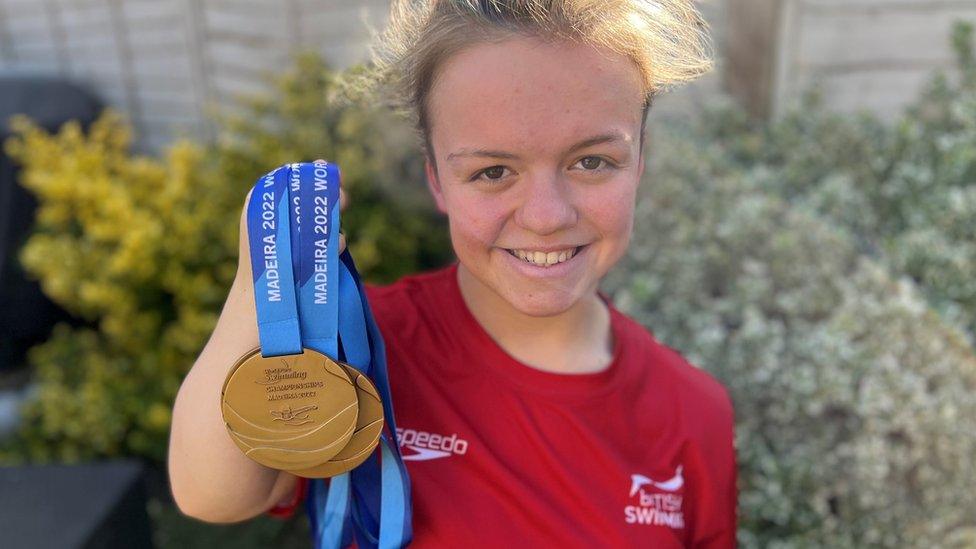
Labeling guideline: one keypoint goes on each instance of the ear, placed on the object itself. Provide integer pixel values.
(434, 184)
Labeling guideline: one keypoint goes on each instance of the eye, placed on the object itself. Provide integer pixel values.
(593, 163)
(493, 173)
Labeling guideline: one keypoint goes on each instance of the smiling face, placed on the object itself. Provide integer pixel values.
(537, 150)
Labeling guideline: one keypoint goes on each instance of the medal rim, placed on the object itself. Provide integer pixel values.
(334, 466)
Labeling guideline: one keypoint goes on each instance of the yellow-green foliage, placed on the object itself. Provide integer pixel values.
(145, 250)
(126, 244)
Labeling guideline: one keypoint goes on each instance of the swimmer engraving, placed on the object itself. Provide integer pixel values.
(294, 417)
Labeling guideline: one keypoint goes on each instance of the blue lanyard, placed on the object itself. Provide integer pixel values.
(269, 241)
(395, 528)
(372, 501)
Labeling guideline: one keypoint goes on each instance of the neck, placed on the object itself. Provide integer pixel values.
(575, 341)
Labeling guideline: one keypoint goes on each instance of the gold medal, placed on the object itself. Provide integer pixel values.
(369, 425)
(291, 411)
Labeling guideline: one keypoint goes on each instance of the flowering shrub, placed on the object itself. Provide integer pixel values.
(818, 266)
(146, 249)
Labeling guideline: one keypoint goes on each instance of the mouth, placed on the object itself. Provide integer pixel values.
(545, 260)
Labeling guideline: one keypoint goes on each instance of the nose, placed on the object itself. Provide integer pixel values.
(547, 205)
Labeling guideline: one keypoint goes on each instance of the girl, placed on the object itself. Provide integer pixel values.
(530, 409)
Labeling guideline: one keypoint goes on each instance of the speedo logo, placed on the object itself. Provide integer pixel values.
(427, 446)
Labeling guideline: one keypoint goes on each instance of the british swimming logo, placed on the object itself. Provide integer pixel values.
(427, 446)
(656, 502)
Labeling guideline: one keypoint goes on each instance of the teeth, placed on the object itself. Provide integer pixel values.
(543, 259)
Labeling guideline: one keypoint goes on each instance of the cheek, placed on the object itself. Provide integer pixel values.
(611, 210)
(475, 218)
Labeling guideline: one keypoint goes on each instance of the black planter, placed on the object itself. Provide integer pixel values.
(87, 506)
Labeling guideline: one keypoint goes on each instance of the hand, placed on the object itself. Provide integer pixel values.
(342, 207)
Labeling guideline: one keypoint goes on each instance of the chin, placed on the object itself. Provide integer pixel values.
(540, 305)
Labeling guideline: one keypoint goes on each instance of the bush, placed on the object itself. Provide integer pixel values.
(146, 249)
(787, 259)
(906, 194)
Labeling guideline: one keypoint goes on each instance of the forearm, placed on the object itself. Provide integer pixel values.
(210, 477)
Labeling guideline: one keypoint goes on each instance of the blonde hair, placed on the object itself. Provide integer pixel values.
(666, 39)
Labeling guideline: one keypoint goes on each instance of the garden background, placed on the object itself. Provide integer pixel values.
(819, 260)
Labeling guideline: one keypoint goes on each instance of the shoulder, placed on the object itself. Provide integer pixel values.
(407, 290)
(399, 307)
(694, 389)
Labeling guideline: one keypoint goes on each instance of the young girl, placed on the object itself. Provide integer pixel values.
(530, 410)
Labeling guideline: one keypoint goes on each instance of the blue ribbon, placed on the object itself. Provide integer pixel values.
(318, 282)
(392, 503)
(332, 316)
(269, 240)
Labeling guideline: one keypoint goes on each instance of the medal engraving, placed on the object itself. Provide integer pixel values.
(289, 411)
(294, 417)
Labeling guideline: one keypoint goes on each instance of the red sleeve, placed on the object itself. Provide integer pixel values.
(726, 537)
(285, 511)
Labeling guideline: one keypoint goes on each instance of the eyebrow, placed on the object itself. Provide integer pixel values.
(588, 142)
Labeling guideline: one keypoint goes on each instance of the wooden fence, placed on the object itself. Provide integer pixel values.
(164, 61)
(866, 54)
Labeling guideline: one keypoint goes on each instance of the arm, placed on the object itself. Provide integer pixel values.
(211, 479)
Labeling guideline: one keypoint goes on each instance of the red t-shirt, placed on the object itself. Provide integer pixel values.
(499, 453)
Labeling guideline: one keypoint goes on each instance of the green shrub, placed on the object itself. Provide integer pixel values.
(906, 193)
(786, 259)
(146, 249)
